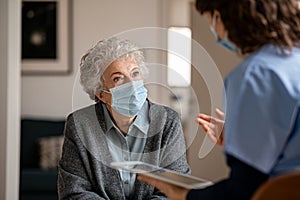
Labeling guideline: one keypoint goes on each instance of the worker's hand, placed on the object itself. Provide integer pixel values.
(214, 127)
(171, 191)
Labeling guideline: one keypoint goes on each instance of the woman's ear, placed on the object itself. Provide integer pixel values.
(217, 15)
(99, 96)
(104, 97)
(219, 26)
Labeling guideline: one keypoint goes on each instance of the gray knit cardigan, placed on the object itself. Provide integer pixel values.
(84, 171)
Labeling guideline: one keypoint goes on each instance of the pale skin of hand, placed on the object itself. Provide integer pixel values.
(213, 126)
(171, 191)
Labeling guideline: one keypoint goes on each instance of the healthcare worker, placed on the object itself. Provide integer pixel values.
(262, 124)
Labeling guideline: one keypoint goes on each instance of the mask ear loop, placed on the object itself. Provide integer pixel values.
(105, 91)
(213, 24)
(213, 27)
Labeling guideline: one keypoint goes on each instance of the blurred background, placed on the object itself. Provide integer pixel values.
(39, 91)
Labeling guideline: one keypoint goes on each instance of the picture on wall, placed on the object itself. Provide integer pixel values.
(39, 29)
(45, 37)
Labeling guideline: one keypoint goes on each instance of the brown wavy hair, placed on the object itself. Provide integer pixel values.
(254, 23)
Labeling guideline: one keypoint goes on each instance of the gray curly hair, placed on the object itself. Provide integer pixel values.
(99, 57)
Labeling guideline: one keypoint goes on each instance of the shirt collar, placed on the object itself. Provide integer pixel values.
(142, 119)
(141, 122)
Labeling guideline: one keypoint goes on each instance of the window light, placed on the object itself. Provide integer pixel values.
(179, 56)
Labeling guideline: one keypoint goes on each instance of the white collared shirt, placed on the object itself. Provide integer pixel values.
(129, 147)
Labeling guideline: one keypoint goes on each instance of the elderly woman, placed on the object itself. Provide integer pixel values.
(123, 125)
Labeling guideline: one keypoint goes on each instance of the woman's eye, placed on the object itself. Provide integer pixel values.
(136, 74)
(117, 79)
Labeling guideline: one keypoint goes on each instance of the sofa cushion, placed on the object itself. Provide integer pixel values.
(50, 149)
(38, 180)
(31, 131)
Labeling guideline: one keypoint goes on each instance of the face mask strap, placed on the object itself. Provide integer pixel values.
(105, 91)
(214, 18)
(213, 25)
(108, 92)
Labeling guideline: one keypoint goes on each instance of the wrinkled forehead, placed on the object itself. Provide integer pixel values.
(119, 62)
(122, 65)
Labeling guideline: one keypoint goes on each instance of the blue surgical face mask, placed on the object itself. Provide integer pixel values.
(128, 98)
(226, 43)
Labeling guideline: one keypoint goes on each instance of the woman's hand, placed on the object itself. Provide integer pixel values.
(171, 191)
(213, 126)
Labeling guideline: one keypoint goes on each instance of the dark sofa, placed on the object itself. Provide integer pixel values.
(37, 183)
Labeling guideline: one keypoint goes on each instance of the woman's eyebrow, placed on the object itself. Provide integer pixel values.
(116, 73)
(135, 68)
(120, 73)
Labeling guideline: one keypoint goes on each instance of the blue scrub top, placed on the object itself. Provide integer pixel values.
(262, 108)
